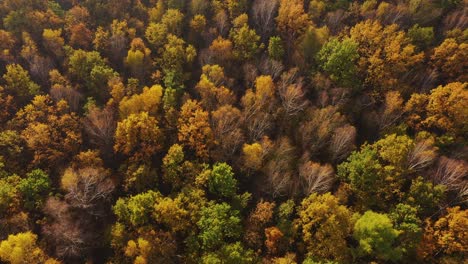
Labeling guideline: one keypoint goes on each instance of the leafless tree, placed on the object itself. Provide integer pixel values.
(270, 67)
(263, 14)
(451, 173)
(342, 142)
(222, 22)
(457, 19)
(87, 187)
(226, 122)
(279, 170)
(71, 96)
(62, 231)
(392, 110)
(291, 91)
(100, 125)
(316, 178)
(422, 155)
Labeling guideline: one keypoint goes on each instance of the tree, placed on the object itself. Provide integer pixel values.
(136, 210)
(172, 20)
(194, 129)
(447, 59)
(442, 110)
(275, 48)
(245, 40)
(234, 253)
(53, 42)
(291, 21)
(446, 235)
(405, 219)
(34, 189)
(421, 37)
(253, 156)
(86, 187)
(218, 224)
(292, 93)
(176, 54)
(49, 130)
(258, 107)
(156, 34)
(385, 54)
(148, 101)
(376, 236)
(316, 178)
(338, 59)
(211, 89)
(172, 165)
(138, 59)
(92, 70)
(18, 82)
(222, 181)
(258, 219)
(138, 136)
(226, 123)
(22, 248)
(325, 225)
(263, 14)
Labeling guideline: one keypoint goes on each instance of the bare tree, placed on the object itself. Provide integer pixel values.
(279, 170)
(342, 142)
(392, 111)
(226, 122)
(291, 91)
(316, 178)
(71, 96)
(270, 67)
(100, 125)
(263, 14)
(62, 231)
(87, 187)
(451, 173)
(422, 155)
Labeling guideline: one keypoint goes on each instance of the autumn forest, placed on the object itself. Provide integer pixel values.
(233, 131)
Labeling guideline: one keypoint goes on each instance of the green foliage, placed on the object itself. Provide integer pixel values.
(218, 224)
(376, 237)
(18, 82)
(221, 180)
(34, 189)
(230, 254)
(338, 58)
(422, 37)
(136, 210)
(275, 48)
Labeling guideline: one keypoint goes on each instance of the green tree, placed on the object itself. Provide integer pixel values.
(376, 237)
(275, 48)
(136, 210)
(234, 253)
(338, 59)
(222, 181)
(18, 83)
(34, 189)
(218, 224)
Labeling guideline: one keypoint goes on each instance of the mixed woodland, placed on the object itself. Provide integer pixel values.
(233, 131)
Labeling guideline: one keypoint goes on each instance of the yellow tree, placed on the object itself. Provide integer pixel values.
(194, 129)
(449, 58)
(385, 54)
(148, 101)
(22, 248)
(325, 226)
(444, 109)
(292, 21)
(50, 131)
(138, 136)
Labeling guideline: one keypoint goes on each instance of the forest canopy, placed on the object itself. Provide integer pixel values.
(233, 131)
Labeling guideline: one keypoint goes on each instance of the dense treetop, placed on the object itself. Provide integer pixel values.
(233, 131)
